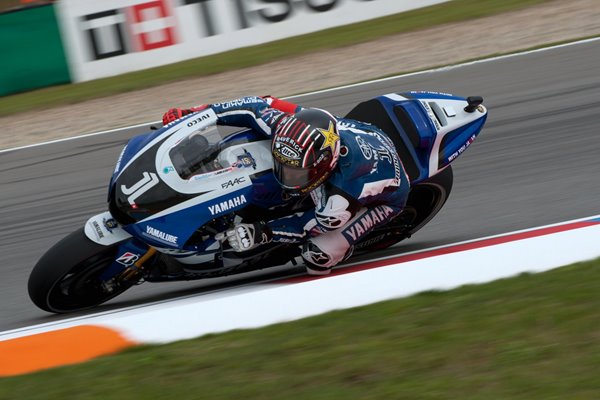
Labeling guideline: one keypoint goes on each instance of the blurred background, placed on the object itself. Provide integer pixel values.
(9, 5)
(78, 66)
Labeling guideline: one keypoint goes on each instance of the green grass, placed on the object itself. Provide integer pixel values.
(528, 337)
(455, 11)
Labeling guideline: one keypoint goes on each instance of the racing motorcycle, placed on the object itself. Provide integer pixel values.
(176, 189)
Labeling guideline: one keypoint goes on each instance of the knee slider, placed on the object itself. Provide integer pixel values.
(315, 256)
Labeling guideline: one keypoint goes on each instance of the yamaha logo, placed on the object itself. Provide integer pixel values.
(227, 205)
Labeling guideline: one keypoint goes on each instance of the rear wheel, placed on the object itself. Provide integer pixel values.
(67, 277)
(425, 200)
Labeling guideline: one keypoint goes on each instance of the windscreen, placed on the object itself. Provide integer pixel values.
(198, 153)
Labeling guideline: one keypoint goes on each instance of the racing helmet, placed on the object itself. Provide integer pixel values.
(306, 148)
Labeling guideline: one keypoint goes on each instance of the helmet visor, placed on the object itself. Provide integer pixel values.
(291, 177)
(294, 177)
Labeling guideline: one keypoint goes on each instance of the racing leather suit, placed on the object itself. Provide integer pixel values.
(367, 188)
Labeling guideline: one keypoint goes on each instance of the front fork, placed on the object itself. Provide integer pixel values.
(131, 258)
(134, 272)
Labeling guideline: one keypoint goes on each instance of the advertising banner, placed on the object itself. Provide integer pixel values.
(111, 37)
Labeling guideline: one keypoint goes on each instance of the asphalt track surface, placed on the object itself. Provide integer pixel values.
(537, 162)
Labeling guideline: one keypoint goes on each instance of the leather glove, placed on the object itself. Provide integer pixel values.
(244, 237)
(174, 114)
(281, 105)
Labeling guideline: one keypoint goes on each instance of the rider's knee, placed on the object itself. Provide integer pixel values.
(322, 253)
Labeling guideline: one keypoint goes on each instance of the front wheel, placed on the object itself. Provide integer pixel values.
(67, 277)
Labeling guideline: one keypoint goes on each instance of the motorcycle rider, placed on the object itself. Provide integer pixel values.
(351, 170)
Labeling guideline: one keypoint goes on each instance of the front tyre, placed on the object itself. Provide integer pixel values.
(67, 277)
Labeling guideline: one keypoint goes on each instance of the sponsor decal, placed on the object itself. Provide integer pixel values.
(128, 259)
(200, 177)
(168, 169)
(329, 221)
(227, 205)
(462, 148)
(285, 160)
(289, 141)
(369, 242)
(245, 160)
(315, 185)
(397, 171)
(385, 152)
(110, 224)
(239, 103)
(365, 148)
(97, 230)
(331, 137)
(207, 175)
(428, 92)
(366, 222)
(233, 182)
(315, 255)
(200, 118)
(288, 152)
(370, 151)
(334, 213)
(160, 235)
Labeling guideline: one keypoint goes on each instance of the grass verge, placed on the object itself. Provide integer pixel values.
(455, 11)
(527, 337)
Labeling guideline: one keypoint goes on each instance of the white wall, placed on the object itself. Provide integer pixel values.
(111, 37)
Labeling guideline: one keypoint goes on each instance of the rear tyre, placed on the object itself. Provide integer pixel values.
(66, 278)
(425, 200)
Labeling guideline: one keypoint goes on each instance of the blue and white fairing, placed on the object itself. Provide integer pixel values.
(431, 129)
(170, 183)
